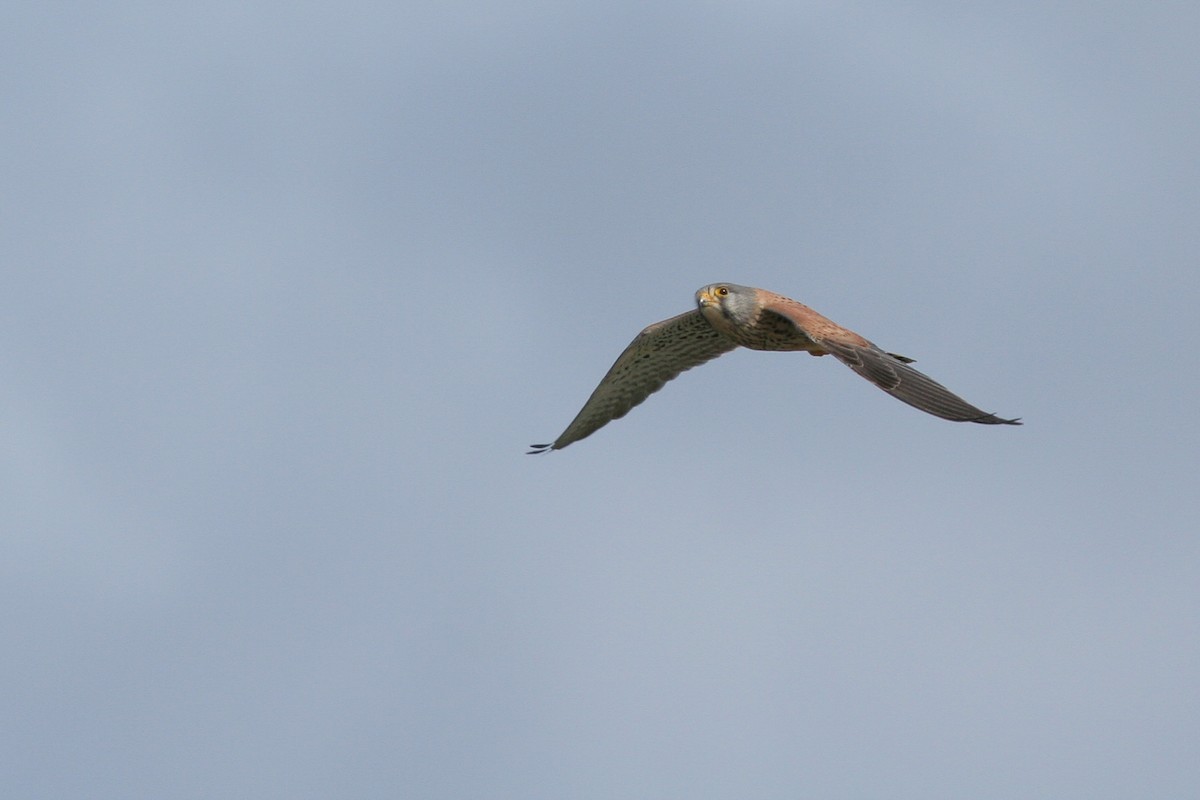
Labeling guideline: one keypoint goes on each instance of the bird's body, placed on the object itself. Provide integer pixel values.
(728, 316)
(751, 318)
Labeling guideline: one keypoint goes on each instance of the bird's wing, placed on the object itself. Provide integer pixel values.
(888, 371)
(655, 356)
(905, 383)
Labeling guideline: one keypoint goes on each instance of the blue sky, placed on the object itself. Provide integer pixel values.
(290, 289)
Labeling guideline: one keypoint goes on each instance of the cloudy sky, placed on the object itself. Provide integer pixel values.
(288, 290)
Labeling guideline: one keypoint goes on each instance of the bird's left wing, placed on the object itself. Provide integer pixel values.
(655, 356)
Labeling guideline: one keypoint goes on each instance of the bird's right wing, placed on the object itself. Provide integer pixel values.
(893, 374)
(655, 356)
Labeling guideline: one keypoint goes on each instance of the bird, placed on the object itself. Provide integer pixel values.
(728, 316)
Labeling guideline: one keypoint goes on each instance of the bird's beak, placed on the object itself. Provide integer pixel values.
(705, 298)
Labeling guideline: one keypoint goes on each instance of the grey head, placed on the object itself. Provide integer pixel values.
(738, 305)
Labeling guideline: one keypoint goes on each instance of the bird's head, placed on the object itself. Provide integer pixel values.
(722, 303)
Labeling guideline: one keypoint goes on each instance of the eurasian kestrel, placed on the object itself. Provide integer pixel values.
(728, 315)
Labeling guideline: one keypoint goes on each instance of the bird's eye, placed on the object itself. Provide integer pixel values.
(722, 291)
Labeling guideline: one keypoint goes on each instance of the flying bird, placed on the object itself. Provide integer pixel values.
(728, 316)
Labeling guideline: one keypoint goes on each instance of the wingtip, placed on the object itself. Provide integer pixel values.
(539, 449)
(992, 419)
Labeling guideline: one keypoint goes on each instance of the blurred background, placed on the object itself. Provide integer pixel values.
(288, 290)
